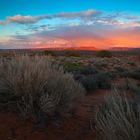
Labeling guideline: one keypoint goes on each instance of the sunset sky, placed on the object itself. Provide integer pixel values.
(101, 24)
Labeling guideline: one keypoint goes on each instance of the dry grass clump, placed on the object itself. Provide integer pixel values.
(118, 119)
(37, 85)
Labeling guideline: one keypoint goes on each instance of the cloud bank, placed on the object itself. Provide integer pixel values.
(89, 14)
(82, 29)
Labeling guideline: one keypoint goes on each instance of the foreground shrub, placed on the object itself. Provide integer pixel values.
(104, 53)
(38, 86)
(118, 119)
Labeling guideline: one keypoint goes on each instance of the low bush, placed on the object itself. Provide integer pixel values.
(89, 83)
(47, 52)
(72, 54)
(131, 86)
(134, 73)
(103, 80)
(138, 57)
(118, 119)
(72, 67)
(77, 68)
(36, 85)
(100, 65)
(92, 82)
(120, 69)
(104, 53)
(87, 70)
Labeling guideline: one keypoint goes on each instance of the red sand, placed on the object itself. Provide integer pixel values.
(73, 127)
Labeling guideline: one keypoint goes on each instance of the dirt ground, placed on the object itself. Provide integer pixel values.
(71, 127)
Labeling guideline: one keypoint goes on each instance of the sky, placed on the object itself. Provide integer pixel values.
(100, 24)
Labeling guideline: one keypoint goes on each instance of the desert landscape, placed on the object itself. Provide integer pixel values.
(66, 95)
(69, 70)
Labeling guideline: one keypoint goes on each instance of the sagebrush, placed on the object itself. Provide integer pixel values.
(36, 85)
(118, 118)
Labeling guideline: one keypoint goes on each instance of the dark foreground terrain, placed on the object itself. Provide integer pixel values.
(98, 75)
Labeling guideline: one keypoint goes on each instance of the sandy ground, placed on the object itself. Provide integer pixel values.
(70, 127)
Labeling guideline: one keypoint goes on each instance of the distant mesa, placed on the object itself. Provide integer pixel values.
(120, 48)
(71, 48)
(92, 48)
(85, 48)
(124, 49)
(82, 48)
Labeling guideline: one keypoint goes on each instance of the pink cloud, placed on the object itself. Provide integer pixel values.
(34, 19)
(88, 13)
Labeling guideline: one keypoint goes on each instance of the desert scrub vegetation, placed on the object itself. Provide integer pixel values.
(138, 57)
(118, 118)
(132, 86)
(37, 86)
(92, 82)
(132, 73)
(72, 54)
(51, 53)
(104, 53)
(78, 68)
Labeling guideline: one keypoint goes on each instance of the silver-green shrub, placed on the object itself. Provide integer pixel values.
(118, 119)
(36, 81)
